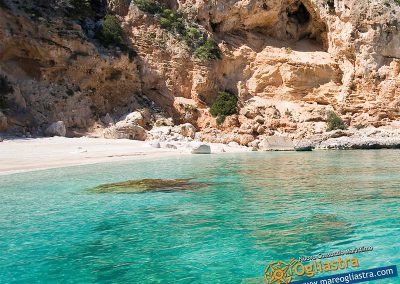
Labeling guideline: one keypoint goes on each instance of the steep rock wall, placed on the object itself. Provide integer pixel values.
(288, 61)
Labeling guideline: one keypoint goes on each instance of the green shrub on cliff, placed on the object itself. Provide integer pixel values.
(5, 89)
(225, 104)
(203, 48)
(209, 50)
(111, 32)
(173, 21)
(199, 43)
(194, 37)
(334, 122)
(149, 6)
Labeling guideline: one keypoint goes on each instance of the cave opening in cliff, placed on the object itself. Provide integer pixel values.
(294, 24)
(300, 16)
(303, 23)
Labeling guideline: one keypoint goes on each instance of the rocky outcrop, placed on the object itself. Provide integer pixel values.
(367, 138)
(56, 129)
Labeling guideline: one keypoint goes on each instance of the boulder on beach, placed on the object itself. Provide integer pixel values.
(125, 131)
(56, 129)
(276, 143)
(233, 144)
(154, 144)
(201, 149)
(217, 148)
(135, 117)
(129, 127)
(170, 146)
(187, 130)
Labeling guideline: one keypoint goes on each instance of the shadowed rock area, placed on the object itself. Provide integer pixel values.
(148, 185)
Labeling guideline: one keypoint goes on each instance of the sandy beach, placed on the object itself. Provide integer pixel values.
(43, 153)
(20, 155)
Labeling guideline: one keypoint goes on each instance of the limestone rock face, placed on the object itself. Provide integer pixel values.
(288, 62)
(56, 129)
(59, 74)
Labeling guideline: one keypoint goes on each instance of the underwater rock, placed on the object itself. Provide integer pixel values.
(147, 185)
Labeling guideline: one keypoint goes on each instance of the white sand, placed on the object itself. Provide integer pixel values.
(19, 155)
(43, 153)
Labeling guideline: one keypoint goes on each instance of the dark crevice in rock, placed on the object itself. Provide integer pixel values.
(304, 23)
(300, 16)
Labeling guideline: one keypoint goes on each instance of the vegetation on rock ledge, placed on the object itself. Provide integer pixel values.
(209, 50)
(199, 43)
(225, 104)
(149, 6)
(334, 122)
(111, 32)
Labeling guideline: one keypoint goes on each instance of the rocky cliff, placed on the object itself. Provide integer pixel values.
(288, 62)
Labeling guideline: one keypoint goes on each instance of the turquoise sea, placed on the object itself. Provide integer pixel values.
(257, 207)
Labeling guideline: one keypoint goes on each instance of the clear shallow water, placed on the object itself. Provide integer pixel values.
(258, 207)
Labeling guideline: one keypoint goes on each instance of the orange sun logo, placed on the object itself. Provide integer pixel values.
(279, 272)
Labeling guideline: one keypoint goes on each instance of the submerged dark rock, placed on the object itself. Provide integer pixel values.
(147, 185)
